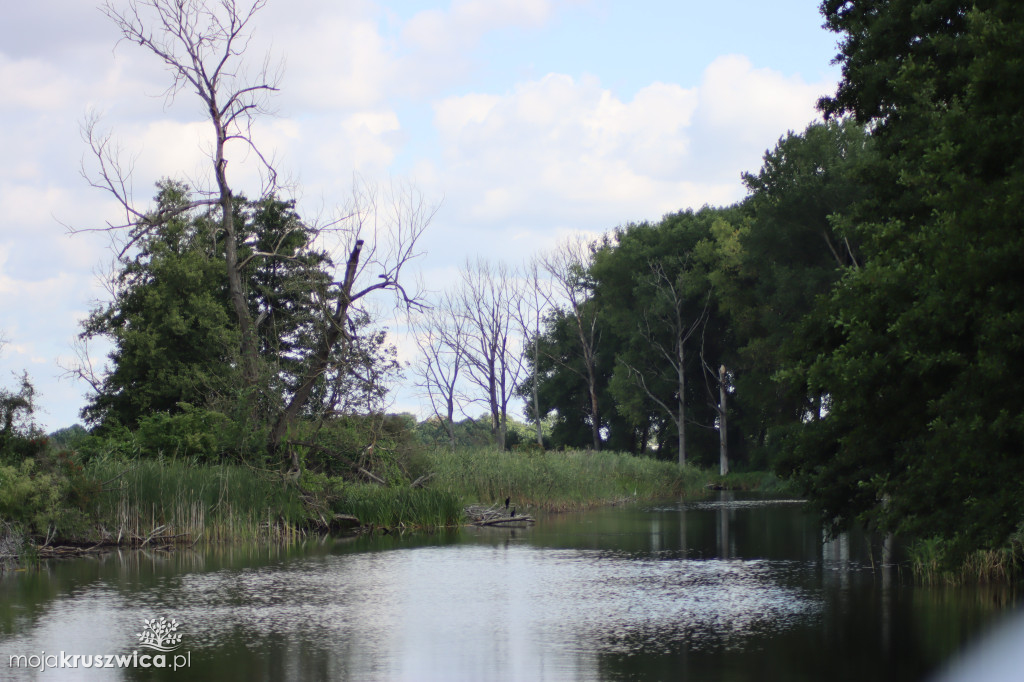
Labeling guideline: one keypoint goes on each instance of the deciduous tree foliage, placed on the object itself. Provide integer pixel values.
(788, 250)
(917, 351)
(653, 288)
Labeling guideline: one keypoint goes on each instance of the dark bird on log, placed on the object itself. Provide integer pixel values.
(513, 512)
(507, 500)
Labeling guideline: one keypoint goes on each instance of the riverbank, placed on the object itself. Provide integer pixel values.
(159, 502)
(72, 508)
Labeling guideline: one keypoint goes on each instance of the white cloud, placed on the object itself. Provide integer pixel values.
(32, 85)
(559, 150)
(556, 148)
(466, 22)
(338, 62)
(744, 111)
(747, 101)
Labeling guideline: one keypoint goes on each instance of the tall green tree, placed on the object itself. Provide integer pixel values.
(171, 331)
(790, 250)
(922, 424)
(653, 288)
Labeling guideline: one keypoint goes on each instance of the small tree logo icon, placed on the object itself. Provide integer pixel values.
(160, 634)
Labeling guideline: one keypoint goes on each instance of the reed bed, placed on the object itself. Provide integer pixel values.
(176, 500)
(559, 480)
(400, 507)
(215, 503)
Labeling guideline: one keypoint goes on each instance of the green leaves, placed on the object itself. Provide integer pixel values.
(923, 434)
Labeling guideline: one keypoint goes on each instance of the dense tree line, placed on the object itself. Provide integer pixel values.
(918, 349)
(673, 302)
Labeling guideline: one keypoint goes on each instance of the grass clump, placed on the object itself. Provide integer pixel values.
(764, 482)
(935, 561)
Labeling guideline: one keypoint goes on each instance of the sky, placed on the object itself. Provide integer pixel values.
(524, 121)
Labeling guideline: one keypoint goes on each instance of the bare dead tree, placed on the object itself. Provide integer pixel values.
(204, 44)
(440, 333)
(391, 223)
(82, 367)
(723, 423)
(717, 384)
(567, 266)
(531, 307)
(487, 295)
(671, 317)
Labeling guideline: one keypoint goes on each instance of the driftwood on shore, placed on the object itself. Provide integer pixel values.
(156, 539)
(497, 515)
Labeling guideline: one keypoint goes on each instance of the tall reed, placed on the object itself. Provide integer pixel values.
(932, 563)
(400, 506)
(213, 502)
(559, 480)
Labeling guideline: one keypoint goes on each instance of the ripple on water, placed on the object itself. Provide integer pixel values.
(650, 605)
(577, 600)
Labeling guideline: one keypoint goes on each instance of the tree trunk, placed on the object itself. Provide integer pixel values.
(249, 349)
(595, 416)
(322, 356)
(492, 398)
(681, 421)
(723, 435)
(450, 423)
(533, 390)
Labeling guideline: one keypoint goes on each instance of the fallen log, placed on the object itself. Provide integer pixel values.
(344, 522)
(505, 520)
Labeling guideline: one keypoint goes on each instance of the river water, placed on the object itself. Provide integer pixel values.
(718, 589)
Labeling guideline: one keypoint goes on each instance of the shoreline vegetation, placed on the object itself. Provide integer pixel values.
(73, 509)
(112, 502)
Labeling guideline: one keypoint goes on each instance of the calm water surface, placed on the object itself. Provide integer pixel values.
(723, 589)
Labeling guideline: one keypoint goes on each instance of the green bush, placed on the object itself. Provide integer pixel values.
(340, 446)
(194, 433)
(16, 447)
(38, 501)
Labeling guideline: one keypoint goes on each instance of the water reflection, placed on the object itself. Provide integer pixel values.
(719, 589)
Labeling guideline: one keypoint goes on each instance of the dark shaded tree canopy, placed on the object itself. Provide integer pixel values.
(924, 425)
